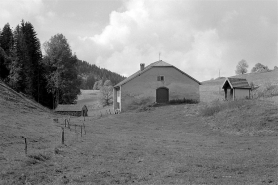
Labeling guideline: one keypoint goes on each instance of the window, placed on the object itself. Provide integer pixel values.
(160, 78)
(118, 93)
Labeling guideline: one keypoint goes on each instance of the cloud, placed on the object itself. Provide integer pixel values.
(13, 11)
(146, 28)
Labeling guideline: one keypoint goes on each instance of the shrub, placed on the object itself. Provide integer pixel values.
(139, 104)
(181, 101)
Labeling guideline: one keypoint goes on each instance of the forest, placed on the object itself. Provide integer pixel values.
(50, 79)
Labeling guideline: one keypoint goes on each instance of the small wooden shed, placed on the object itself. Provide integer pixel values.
(236, 88)
(71, 109)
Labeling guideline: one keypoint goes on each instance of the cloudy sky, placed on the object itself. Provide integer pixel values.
(199, 37)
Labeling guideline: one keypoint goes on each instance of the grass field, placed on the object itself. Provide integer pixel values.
(211, 89)
(174, 144)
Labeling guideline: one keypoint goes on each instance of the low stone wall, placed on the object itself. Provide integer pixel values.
(70, 113)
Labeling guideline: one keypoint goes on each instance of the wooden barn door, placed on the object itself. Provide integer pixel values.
(162, 95)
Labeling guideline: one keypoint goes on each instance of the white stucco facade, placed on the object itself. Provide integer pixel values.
(144, 86)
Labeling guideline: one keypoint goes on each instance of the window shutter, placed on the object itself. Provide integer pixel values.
(158, 78)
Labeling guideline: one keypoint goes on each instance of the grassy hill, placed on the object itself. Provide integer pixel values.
(211, 89)
(22, 118)
(174, 144)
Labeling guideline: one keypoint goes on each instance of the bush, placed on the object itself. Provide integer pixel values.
(140, 104)
(181, 101)
(266, 90)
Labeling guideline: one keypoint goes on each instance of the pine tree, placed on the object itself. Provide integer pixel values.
(35, 56)
(20, 77)
(6, 39)
(6, 45)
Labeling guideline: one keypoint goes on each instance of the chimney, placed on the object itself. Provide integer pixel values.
(142, 66)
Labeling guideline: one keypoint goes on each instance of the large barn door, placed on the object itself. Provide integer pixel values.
(162, 95)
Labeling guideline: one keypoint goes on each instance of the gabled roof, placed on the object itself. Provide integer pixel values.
(68, 107)
(237, 83)
(159, 63)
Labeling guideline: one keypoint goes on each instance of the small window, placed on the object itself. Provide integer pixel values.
(160, 78)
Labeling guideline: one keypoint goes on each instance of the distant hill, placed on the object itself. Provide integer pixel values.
(90, 73)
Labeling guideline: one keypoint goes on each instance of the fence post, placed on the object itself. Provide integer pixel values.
(63, 136)
(84, 128)
(25, 142)
(100, 114)
(81, 130)
(65, 122)
(75, 127)
(109, 111)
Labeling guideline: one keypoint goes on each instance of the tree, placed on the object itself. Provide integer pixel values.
(21, 77)
(106, 95)
(259, 68)
(6, 46)
(6, 39)
(98, 85)
(63, 81)
(107, 83)
(35, 56)
(241, 67)
(275, 68)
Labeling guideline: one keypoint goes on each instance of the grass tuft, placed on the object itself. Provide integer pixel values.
(37, 158)
(217, 106)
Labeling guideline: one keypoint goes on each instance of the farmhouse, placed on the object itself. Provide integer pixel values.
(159, 82)
(72, 110)
(236, 88)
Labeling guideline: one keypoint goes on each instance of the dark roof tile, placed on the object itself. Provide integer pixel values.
(68, 107)
(159, 63)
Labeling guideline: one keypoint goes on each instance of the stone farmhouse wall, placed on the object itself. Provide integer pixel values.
(144, 86)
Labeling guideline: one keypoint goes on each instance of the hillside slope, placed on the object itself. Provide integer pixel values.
(211, 89)
(22, 118)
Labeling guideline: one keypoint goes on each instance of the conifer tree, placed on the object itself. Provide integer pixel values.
(35, 56)
(6, 45)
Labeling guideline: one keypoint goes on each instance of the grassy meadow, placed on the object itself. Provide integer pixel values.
(213, 142)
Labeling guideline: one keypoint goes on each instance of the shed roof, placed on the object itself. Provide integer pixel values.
(237, 83)
(68, 108)
(159, 63)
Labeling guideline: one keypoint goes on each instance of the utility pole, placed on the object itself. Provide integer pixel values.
(159, 56)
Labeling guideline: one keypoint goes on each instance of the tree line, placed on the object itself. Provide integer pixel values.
(94, 77)
(50, 79)
(242, 66)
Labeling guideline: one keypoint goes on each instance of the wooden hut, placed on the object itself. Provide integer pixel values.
(236, 88)
(69, 109)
